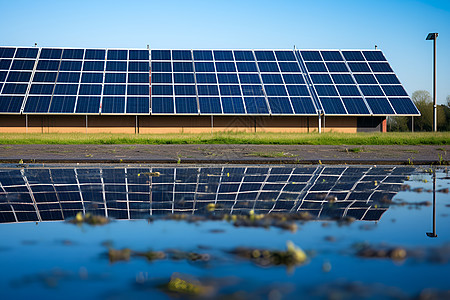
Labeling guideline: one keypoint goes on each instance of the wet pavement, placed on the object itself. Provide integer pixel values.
(228, 154)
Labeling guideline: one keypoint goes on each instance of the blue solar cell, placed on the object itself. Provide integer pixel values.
(380, 106)
(333, 106)
(337, 67)
(223, 55)
(50, 53)
(90, 89)
(321, 79)
(26, 52)
(120, 66)
(183, 78)
(353, 55)
(162, 105)
(66, 89)
(181, 55)
(210, 105)
(225, 67)
(205, 78)
(293, 79)
(387, 79)
(139, 55)
(203, 55)
(7, 52)
(208, 90)
(138, 105)
(161, 66)
(89, 77)
(95, 54)
(394, 90)
(45, 76)
(114, 89)
(115, 77)
(264, 56)
(51, 65)
(156, 77)
(227, 78)
(138, 90)
(371, 90)
(280, 105)
(117, 54)
(246, 66)
(244, 55)
(291, 67)
(93, 66)
(138, 66)
(62, 104)
(71, 77)
(11, 104)
(73, 54)
(19, 64)
(187, 90)
(18, 76)
(303, 105)
(186, 105)
(70, 65)
(37, 104)
(204, 67)
(285, 56)
(297, 90)
(3, 75)
(380, 67)
(113, 105)
(355, 106)
(316, 67)
(326, 90)
(272, 78)
(183, 67)
(365, 79)
(348, 90)
(5, 64)
(252, 90)
(374, 56)
(403, 106)
(161, 55)
(311, 55)
(88, 105)
(331, 56)
(342, 79)
(256, 105)
(230, 90)
(275, 90)
(233, 105)
(162, 90)
(268, 67)
(249, 78)
(41, 89)
(358, 67)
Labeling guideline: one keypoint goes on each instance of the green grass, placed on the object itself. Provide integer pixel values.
(392, 138)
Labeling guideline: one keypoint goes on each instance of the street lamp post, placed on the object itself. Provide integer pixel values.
(433, 36)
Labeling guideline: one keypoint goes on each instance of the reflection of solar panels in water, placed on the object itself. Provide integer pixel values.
(46, 194)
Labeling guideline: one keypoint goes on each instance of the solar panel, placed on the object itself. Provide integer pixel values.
(209, 82)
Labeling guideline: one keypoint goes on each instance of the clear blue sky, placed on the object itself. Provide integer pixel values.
(398, 27)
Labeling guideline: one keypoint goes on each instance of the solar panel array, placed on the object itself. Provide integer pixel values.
(49, 194)
(206, 82)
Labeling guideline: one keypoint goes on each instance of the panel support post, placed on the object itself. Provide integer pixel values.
(212, 124)
(136, 126)
(26, 123)
(412, 124)
(320, 123)
(86, 124)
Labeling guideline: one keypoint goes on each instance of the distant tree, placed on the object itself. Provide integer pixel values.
(423, 101)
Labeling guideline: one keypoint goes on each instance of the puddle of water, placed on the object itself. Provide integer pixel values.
(222, 231)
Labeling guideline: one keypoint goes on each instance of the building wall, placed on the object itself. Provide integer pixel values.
(171, 124)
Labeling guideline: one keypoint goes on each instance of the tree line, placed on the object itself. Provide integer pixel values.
(424, 103)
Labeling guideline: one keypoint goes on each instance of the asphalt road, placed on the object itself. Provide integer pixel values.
(226, 154)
